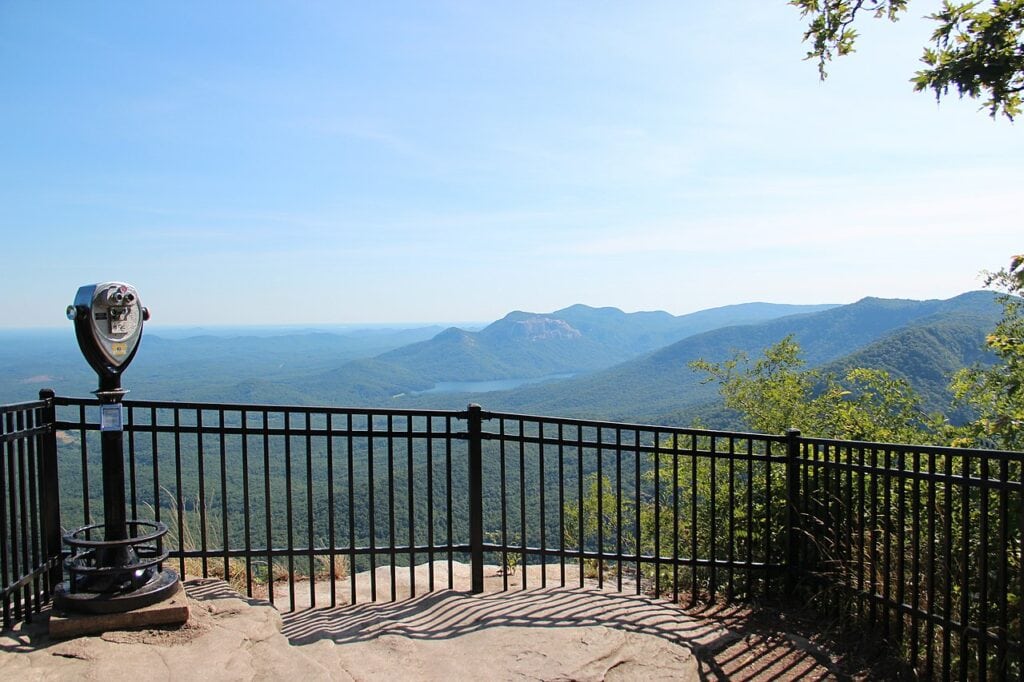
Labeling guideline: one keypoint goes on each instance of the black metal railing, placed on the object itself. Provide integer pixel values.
(645, 508)
(922, 544)
(254, 492)
(29, 512)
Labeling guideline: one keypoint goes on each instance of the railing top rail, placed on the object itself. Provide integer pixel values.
(490, 415)
(667, 430)
(914, 448)
(64, 401)
(22, 407)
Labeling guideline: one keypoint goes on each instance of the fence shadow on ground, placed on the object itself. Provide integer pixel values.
(724, 648)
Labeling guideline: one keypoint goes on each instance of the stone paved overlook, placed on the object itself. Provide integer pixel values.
(555, 633)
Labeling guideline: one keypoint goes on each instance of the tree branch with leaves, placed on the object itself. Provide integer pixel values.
(977, 50)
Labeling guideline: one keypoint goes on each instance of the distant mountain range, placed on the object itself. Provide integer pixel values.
(574, 340)
(923, 341)
(626, 366)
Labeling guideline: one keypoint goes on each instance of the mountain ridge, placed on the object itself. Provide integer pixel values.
(657, 385)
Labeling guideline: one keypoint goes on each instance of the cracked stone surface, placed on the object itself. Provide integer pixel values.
(227, 638)
(534, 635)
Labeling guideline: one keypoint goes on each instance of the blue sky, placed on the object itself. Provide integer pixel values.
(322, 162)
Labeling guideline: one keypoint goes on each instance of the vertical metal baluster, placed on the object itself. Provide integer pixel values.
(132, 481)
(730, 576)
(1019, 503)
(35, 512)
(25, 514)
(694, 551)
(901, 542)
(844, 469)
(713, 532)
(522, 495)
(676, 548)
(862, 548)
(636, 509)
(410, 482)
(657, 515)
(310, 534)
(332, 539)
(947, 602)
(391, 504)
(618, 508)
(965, 558)
(887, 542)
(373, 507)
(561, 504)
(600, 509)
(579, 500)
(915, 567)
(1003, 551)
(448, 493)
(11, 539)
(353, 569)
(982, 556)
(844, 485)
(224, 495)
(542, 482)
(430, 501)
(201, 457)
(504, 505)
(806, 468)
(178, 493)
(7, 564)
(83, 439)
(49, 492)
(246, 502)
(929, 667)
(289, 506)
(769, 518)
(475, 491)
(873, 604)
(824, 477)
(268, 516)
(750, 518)
(154, 446)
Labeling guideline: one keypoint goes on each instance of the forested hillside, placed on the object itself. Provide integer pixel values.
(661, 387)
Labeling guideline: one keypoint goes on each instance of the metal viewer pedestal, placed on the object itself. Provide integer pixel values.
(121, 572)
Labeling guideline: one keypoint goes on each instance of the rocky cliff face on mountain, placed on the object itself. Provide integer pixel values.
(543, 329)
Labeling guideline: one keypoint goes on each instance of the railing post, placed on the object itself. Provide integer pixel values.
(476, 498)
(49, 494)
(792, 510)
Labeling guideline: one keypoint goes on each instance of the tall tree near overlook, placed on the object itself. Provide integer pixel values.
(977, 51)
(997, 392)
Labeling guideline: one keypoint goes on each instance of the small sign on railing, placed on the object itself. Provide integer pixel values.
(112, 417)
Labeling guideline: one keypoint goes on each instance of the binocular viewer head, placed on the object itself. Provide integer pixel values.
(108, 321)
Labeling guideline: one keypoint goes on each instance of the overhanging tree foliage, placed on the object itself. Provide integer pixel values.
(978, 48)
(996, 393)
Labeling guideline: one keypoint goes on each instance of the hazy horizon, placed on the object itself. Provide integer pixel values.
(176, 329)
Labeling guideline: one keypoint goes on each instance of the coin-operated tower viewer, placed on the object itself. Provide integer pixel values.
(123, 570)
